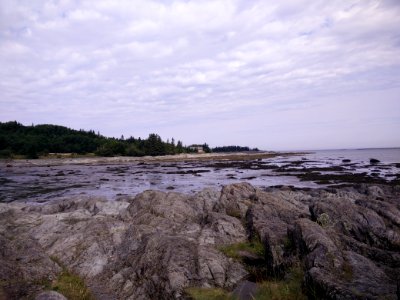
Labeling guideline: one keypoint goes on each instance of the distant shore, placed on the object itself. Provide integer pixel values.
(63, 160)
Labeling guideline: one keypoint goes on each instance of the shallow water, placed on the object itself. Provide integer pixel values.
(43, 183)
(386, 155)
(25, 182)
(359, 160)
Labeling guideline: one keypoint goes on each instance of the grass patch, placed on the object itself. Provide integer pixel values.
(255, 247)
(324, 220)
(67, 155)
(289, 289)
(208, 294)
(69, 284)
(251, 255)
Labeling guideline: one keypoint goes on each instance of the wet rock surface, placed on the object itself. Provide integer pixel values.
(157, 244)
(45, 179)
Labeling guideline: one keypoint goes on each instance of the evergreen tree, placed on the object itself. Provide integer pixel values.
(179, 147)
(154, 145)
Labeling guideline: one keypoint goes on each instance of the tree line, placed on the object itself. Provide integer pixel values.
(17, 140)
(34, 141)
(232, 149)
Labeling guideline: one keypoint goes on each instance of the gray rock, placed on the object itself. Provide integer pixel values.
(157, 244)
(50, 295)
(335, 273)
(269, 220)
(24, 266)
(170, 245)
(246, 290)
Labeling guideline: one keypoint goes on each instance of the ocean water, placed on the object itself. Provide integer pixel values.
(385, 155)
(387, 168)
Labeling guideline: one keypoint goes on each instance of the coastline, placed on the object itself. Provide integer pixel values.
(338, 239)
(144, 159)
(114, 177)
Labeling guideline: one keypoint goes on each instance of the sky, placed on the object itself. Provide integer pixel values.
(277, 75)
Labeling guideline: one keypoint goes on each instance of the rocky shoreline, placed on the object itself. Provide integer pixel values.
(96, 160)
(45, 180)
(158, 245)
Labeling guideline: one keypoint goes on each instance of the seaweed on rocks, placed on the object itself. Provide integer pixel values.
(345, 178)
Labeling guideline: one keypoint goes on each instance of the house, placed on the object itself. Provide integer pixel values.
(197, 148)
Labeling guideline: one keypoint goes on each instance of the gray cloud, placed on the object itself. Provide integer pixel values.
(293, 74)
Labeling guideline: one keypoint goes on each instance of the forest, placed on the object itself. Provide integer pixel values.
(232, 149)
(17, 140)
(20, 141)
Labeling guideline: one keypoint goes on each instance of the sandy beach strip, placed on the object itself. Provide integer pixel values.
(146, 159)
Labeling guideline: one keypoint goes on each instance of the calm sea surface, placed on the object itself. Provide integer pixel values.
(385, 155)
(352, 161)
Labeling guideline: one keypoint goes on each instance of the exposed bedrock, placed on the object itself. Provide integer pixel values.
(157, 244)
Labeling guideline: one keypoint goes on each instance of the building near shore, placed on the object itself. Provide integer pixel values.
(197, 148)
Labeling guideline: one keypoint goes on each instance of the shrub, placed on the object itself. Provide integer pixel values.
(324, 220)
(255, 246)
(133, 150)
(5, 153)
(111, 148)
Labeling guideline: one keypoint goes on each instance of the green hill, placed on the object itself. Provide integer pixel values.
(17, 140)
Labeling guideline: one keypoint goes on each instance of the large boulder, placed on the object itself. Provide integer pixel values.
(332, 272)
(360, 222)
(171, 245)
(50, 295)
(269, 219)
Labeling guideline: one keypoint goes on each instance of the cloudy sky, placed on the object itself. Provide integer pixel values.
(289, 74)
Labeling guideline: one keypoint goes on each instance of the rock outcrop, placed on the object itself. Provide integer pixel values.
(157, 244)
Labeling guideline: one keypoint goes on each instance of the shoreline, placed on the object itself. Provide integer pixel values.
(147, 159)
(43, 179)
